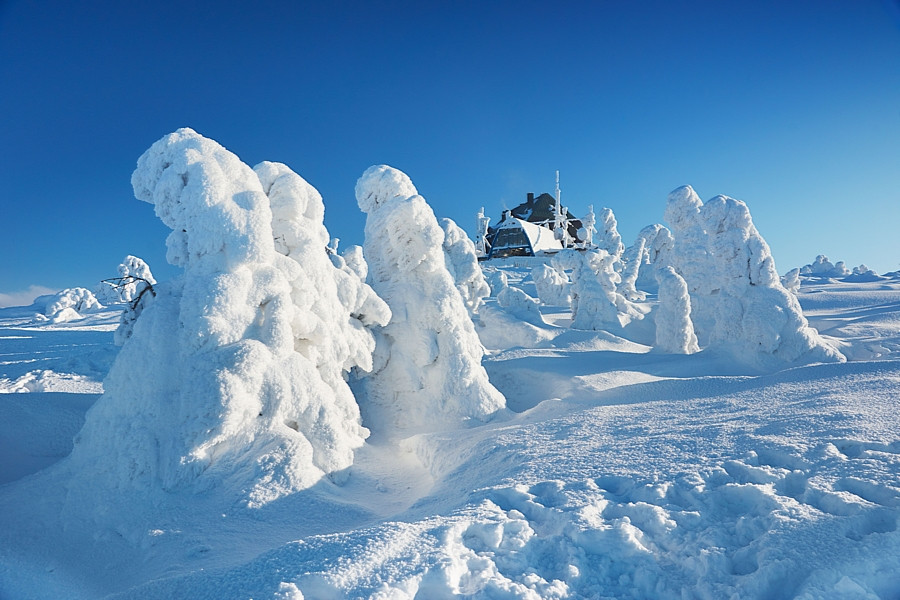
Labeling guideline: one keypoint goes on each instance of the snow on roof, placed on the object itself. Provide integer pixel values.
(540, 238)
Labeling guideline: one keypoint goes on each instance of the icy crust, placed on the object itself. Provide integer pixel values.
(462, 262)
(737, 298)
(430, 376)
(209, 388)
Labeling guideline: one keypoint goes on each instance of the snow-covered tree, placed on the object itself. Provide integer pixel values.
(432, 376)
(134, 277)
(674, 329)
(735, 291)
(334, 309)
(462, 262)
(209, 389)
(356, 261)
(608, 237)
(657, 242)
(594, 279)
(631, 265)
(66, 305)
(553, 286)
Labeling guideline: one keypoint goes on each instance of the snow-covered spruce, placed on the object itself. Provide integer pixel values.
(822, 267)
(431, 377)
(553, 286)
(657, 245)
(608, 237)
(674, 330)
(334, 308)
(735, 291)
(209, 390)
(631, 266)
(462, 262)
(595, 302)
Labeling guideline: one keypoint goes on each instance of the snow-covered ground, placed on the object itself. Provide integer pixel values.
(620, 472)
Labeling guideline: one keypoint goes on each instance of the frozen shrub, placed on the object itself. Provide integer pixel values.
(431, 376)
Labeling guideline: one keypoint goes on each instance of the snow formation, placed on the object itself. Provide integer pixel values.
(66, 305)
(209, 390)
(822, 267)
(595, 302)
(608, 237)
(462, 262)
(553, 286)
(520, 305)
(431, 376)
(674, 329)
(737, 298)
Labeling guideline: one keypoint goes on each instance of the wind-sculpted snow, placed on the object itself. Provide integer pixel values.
(431, 376)
(209, 390)
(737, 299)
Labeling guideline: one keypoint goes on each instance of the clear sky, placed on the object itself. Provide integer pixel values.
(791, 106)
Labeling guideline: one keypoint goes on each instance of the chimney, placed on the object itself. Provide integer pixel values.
(530, 198)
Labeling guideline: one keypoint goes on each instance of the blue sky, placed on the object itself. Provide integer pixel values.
(793, 107)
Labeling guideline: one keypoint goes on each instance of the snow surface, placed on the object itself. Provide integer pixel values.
(623, 473)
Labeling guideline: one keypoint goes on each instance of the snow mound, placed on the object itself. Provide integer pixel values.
(520, 305)
(431, 376)
(737, 299)
(66, 305)
(209, 390)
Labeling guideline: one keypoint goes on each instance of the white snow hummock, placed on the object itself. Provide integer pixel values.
(462, 262)
(431, 376)
(66, 305)
(737, 298)
(209, 389)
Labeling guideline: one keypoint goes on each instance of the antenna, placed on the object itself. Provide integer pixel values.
(558, 205)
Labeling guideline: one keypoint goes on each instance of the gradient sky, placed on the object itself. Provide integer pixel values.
(793, 107)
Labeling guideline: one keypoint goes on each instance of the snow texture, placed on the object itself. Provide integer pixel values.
(462, 263)
(674, 329)
(553, 286)
(355, 261)
(209, 391)
(737, 298)
(432, 376)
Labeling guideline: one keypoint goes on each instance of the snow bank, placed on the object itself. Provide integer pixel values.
(432, 376)
(736, 295)
(462, 262)
(674, 329)
(209, 390)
